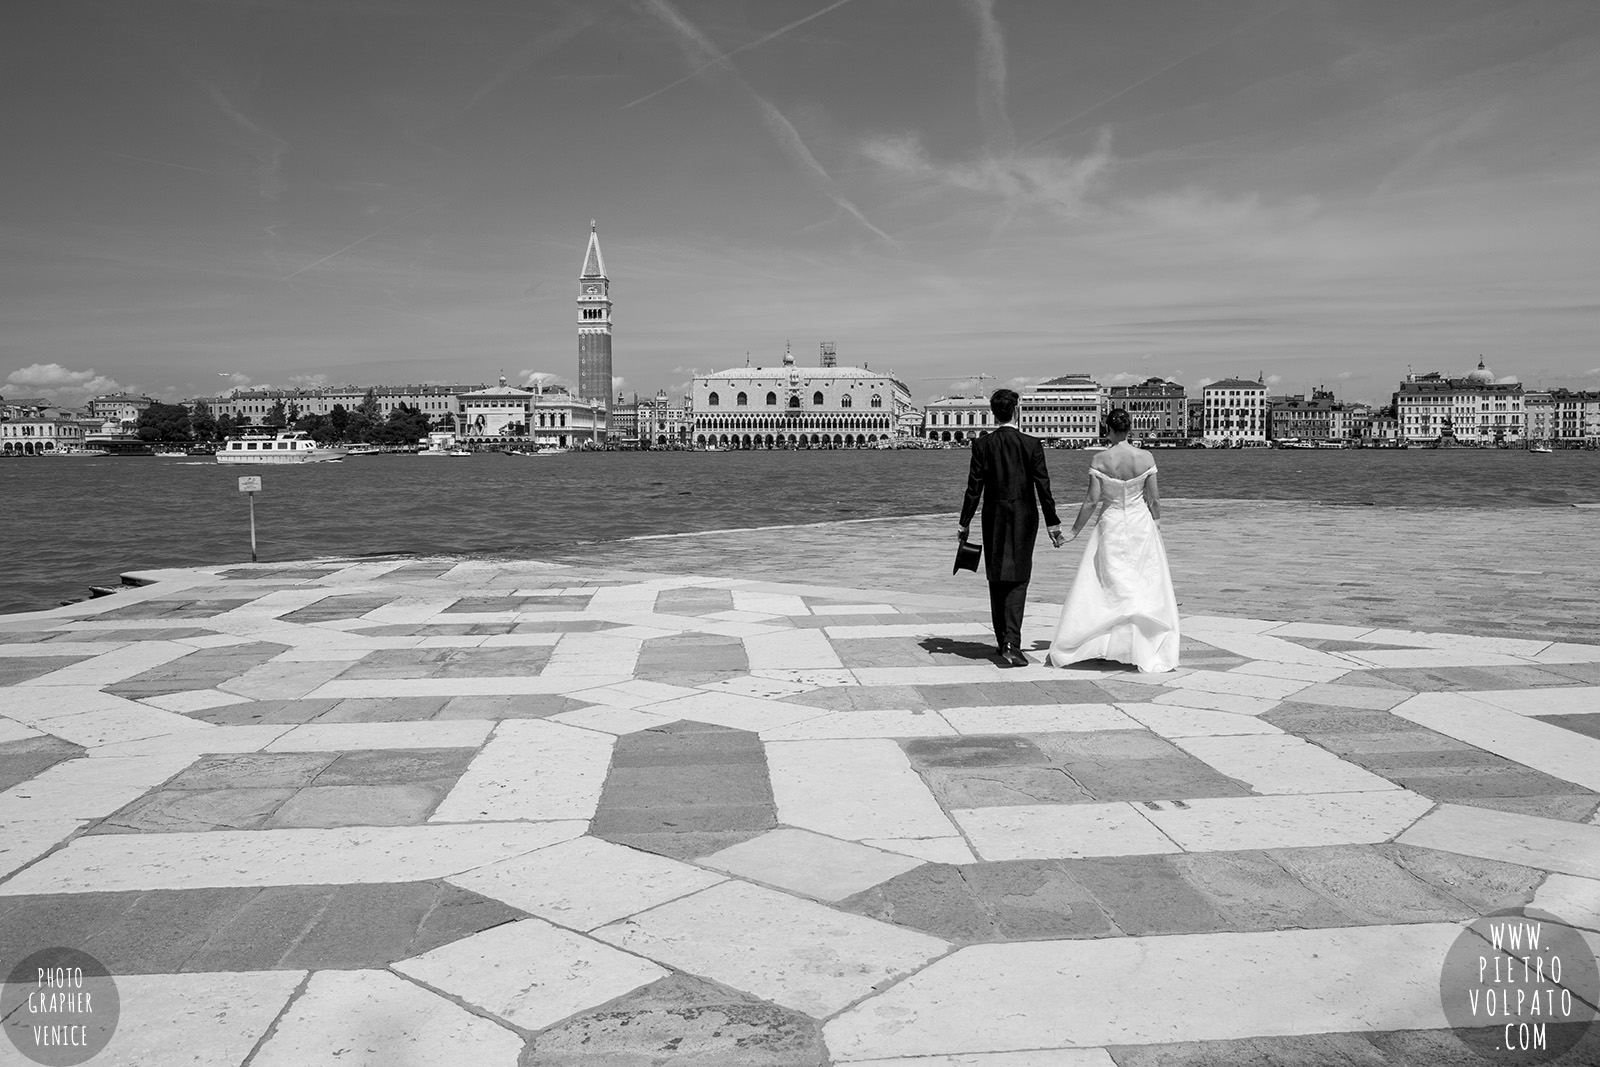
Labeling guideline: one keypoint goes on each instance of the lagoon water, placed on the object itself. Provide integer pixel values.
(67, 524)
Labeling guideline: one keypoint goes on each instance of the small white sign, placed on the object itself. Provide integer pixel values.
(250, 485)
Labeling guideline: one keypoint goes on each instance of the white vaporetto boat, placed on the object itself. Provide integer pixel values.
(290, 446)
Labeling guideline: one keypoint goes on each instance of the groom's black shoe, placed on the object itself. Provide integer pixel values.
(1015, 658)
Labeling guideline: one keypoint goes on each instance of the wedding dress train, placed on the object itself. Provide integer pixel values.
(1121, 606)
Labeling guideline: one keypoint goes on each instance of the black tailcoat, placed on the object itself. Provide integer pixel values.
(1008, 472)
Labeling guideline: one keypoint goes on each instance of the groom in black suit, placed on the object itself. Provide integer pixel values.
(1008, 472)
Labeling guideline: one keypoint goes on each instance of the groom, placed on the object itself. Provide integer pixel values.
(1007, 472)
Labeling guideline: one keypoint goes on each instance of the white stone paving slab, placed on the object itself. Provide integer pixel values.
(852, 789)
(610, 720)
(1433, 657)
(854, 609)
(340, 736)
(1269, 648)
(1299, 671)
(803, 862)
(105, 727)
(118, 665)
(1170, 722)
(1207, 701)
(197, 743)
(352, 854)
(1037, 719)
(1060, 831)
(1467, 643)
(632, 693)
(1548, 700)
(755, 686)
(1221, 824)
(931, 849)
(195, 1020)
(515, 685)
(1556, 751)
(1249, 685)
(586, 882)
(1319, 631)
(792, 650)
(530, 973)
(769, 603)
(320, 654)
(1155, 990)
(843, 724)
(194, 700)
(797, 953)
(23, 840)
(1571, 899)
(1278, 763)
(959, 675)
(920, 629)
(378, 1019)
(733, 711)
(58, 649)
(532, 769)
(1549, 844)
(818, 678)
(88, 788)
(1050, 1057)
(1562, 652)
(1228, 624)
(15, 731)
(1360, 697)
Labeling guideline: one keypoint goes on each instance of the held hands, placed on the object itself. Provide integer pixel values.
(1057, 538)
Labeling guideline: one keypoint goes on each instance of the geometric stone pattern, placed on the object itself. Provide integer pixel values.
(555, 815)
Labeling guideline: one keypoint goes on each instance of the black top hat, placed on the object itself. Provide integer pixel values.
(967, 556)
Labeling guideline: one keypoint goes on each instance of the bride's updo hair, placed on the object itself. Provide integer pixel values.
(1119, 421)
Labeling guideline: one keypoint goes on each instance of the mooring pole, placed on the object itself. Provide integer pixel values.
(251, 485)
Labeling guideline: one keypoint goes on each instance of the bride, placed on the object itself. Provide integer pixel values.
(1121, 606)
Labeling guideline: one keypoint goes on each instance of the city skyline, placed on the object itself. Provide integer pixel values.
(275, 193)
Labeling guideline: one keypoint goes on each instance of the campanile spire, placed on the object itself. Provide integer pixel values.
(594, 324)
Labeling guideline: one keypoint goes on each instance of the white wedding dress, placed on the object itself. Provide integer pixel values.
(1121, 606)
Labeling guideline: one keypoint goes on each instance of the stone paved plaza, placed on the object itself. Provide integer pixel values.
(414, 811)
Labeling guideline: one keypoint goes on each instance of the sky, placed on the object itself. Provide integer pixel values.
(200, 195)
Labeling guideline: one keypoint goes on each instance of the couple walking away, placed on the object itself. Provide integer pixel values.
(1121, 606)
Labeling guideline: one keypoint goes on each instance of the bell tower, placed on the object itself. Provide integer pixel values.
(594, 324)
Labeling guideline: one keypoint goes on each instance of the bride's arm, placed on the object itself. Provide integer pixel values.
(1152, 496)
(1090, 502)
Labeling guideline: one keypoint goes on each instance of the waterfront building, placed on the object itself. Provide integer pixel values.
(662, 424)
(1197, 418)
(434, 401)
(594, 324)
(1474, 410)
(1235, 413)
(37, 435)
(1538, 414)
(813, 407)
(1575, 416)
(622, 422)
(496, 411)
(1068, 409)
(1295, 418)
(957, 418)
(552, 418)
(123, 408)
(1159, 408)
(911, 424)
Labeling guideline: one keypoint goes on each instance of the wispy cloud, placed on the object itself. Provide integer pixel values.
(999, 137)
(265, 146)
(724, 56)
(699, 50)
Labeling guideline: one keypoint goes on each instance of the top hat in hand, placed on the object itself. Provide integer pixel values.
(967, 556)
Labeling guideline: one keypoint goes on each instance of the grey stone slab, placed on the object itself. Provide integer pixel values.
(1034, 901)
(526, 706)
(986, 695)
(1585, 673)
(44, 920)
(688, 845)
(247, 770)
(740, 784)
(1587, 725)
(356, 805)
(1356, 747)
(1571, 807)
(681, 1021)
(437, 767)
(384, 709)
(1070, 692)
(1177, 778)
(1300, 1050)
(14, 671)
(688, 679)
(1463, 782)
(974, 787)
(1252, 892)
(1446, 1048)
(266, 712)
(863, 698)
(1106, 744)
(25, 757)
(1118, 692)
(1434, 760)
(1469, 679)
(161, 931)
(973, 750)
(1305, 719)
(613, 820)
(685, 743)
(457, 913)
(1369, 885)
(263, 930)
(195, 810)
(935, 899)
(882, 652)
(1146, 895)
(364, 926)
(1483, 885)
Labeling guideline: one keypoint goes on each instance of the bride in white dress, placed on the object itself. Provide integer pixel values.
(1121, 606)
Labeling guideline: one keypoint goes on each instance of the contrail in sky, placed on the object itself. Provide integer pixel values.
(991, 76)
(779, 32)
(1069, 120)
(352, 244)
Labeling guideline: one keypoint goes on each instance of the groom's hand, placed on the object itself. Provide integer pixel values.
(1056, 538)
(961, 534)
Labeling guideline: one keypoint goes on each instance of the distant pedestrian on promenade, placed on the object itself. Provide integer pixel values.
(1008, 473)
(1121, 605)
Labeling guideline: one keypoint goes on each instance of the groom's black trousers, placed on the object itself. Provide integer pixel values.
(1006, 600)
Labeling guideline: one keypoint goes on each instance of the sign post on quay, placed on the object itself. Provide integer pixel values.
(251, 485)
